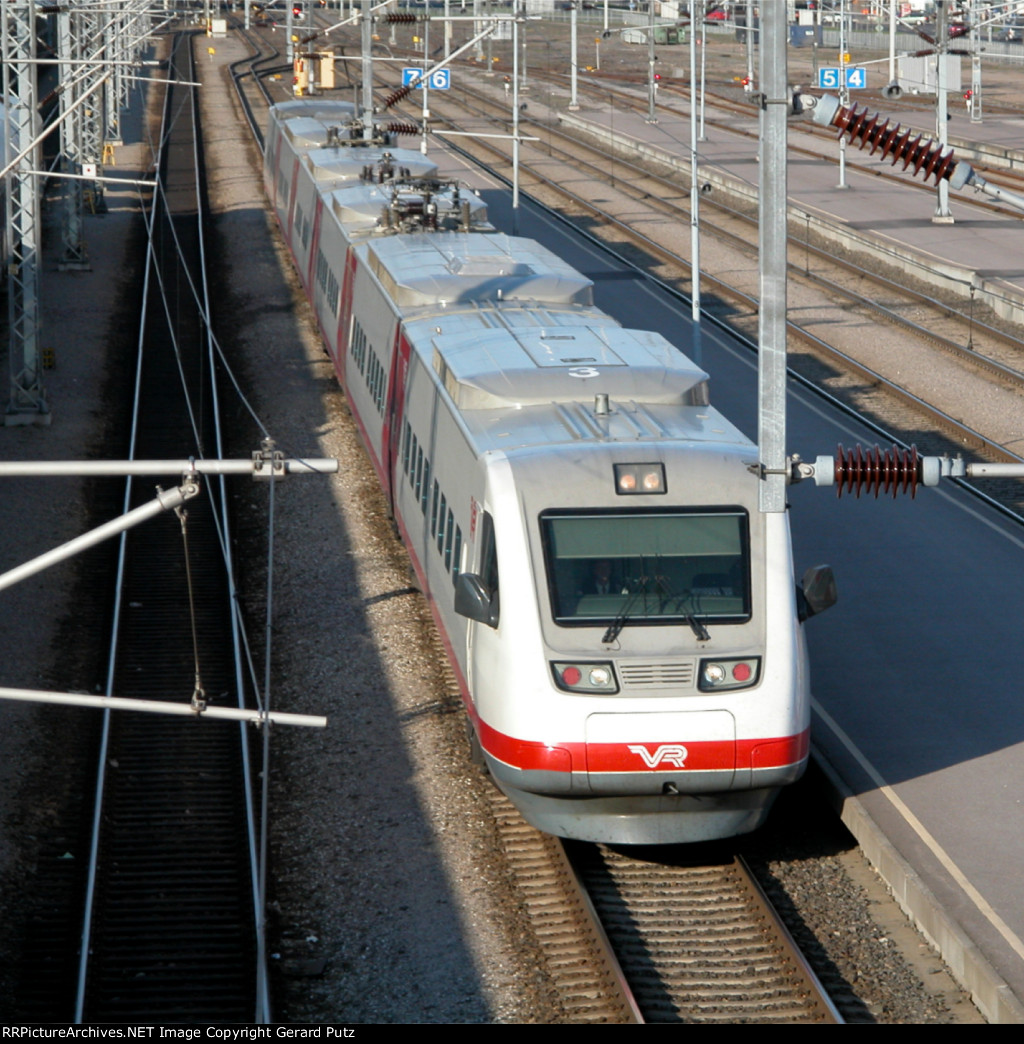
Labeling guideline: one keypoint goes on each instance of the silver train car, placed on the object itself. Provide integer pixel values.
(623, 621)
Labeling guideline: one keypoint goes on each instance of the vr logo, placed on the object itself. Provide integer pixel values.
(673, 753)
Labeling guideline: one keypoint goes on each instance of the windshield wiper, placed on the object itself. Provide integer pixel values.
(698, 628)
(702, 633)
(615, 627)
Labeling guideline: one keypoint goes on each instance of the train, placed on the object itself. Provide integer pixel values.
(622, 619)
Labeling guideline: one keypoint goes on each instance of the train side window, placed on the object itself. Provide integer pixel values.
(412, 461)
(449, 533)
(333, 292)
(440, 525)
(457, 554)
(359, 346)
(425, 495)
(433, 510)
(378, 382)
(488, 555)
(418, 483)
(406, 437)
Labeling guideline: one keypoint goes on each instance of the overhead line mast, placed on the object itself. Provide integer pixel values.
(97, 45)
(27, 403)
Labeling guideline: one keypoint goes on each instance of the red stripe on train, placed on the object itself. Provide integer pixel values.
(697, 756)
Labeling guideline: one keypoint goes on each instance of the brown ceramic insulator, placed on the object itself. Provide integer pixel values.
(877, 471)
(400, 127)
(866, 129)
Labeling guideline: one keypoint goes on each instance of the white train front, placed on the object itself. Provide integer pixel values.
(622, 619)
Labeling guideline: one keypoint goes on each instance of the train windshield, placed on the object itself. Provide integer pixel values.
(643, 567)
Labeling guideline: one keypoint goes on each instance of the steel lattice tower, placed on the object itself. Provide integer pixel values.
(27, 403)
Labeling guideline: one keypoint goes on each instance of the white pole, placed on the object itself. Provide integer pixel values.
(573, 100)
(694, 191)
(515, 123)
(771, 436)
(844, 92)
(942, 215)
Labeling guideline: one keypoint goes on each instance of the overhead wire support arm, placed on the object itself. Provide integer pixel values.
(165, 500)
(264, 464)
(889, 471)
(253, 717)
(258, 466)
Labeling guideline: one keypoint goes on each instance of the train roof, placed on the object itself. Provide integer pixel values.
(597, 425)
(349, 164)
(466, 269)
(367, 207)
(320, 123)
(571, 379)
(305, 132)
(502, 367)
(326, 109)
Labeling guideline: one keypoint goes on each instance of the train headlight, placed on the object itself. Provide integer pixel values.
(720, 675)
(639, 478)
(585, 677)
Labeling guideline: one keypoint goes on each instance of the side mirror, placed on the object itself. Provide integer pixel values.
(473, 601)
(817, 592)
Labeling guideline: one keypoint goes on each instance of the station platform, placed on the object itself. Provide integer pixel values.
(974, 249)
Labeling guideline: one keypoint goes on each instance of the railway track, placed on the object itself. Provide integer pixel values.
(173, 921)
(169, 908)
(656, 938)
(699, 941)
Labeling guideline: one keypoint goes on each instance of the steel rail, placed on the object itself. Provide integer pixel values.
(579, 960)
(245, 68)
(821, 1000)
(112, 652)
(256, 825)
(260, 1011)
(699, 942)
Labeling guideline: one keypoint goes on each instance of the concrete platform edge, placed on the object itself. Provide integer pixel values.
(992, 996)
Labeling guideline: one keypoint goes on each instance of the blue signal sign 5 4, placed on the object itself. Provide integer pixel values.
(830, 78)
